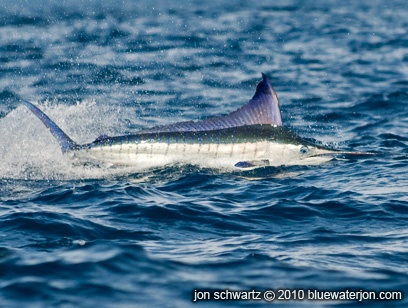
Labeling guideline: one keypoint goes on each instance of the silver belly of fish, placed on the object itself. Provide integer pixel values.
(221, 156)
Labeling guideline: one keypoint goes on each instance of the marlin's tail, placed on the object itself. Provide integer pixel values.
(66, 143)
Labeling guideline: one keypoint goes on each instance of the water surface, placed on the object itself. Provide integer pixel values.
(78, 235)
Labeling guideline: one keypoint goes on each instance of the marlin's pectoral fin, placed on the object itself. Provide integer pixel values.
(252, 164)
(244, 165)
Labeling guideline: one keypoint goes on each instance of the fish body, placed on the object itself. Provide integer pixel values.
(248, 138)
(258, 145)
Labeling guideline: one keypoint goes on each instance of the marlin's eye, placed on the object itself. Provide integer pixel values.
(304, 149)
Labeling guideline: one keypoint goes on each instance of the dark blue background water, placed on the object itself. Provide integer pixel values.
(75, 235)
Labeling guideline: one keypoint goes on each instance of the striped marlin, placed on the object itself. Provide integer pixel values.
(252, 136)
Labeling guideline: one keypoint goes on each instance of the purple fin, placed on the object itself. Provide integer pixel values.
(252, 164)
(263, 108)
(102, 137)
(244, 165)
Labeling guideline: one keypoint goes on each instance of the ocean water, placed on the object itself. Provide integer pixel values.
(74, 235)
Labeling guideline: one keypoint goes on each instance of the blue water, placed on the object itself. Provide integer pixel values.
(74, 235)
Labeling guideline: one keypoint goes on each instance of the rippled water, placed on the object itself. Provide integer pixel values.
(78, 235)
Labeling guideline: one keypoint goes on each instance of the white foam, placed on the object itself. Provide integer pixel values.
(29, 151)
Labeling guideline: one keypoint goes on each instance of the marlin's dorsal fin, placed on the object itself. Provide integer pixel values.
(263, 108)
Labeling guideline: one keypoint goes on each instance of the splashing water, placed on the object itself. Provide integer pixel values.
(29, 151)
